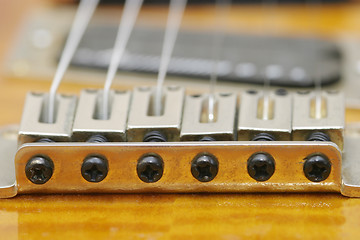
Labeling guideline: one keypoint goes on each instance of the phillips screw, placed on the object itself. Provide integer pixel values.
(204, 167)
(39, 169)
(94, 169)
(317, 168)
(261, 166)
(150, 168)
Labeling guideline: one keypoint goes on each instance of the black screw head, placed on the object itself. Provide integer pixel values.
(317, 168)
(39, 169)
(204, 167)
(261, 166)
(150, 168)
(94, 169)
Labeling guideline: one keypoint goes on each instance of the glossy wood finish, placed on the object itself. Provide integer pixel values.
(169, 216)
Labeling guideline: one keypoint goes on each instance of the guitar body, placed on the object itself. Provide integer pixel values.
(169, 216)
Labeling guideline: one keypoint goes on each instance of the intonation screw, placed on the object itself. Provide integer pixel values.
(39, 169)
(261, 166)
(317, 168)
(204, 167)
(94, 168)
(150, 168)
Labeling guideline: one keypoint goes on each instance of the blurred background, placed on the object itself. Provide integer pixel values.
(294, 43)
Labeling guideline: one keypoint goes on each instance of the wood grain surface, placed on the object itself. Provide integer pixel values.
(172, 216)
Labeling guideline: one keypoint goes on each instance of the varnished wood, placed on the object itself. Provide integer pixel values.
(172, 216)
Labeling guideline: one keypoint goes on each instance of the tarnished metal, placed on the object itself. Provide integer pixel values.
(350, 169)
(8, 147)
(33, 125)
(195, 125)
(331, 117)
(141, 117)
(88, 121)
(277, 121)
(232, 174)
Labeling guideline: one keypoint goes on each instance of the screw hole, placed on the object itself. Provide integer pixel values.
(252, 91)
(173, 88)
(37, 94)
(332, 91)
(281, 92)
(303, 92)
(120, 91)
(225, 94)
(66, 96)
(144, 89)
(91, 90)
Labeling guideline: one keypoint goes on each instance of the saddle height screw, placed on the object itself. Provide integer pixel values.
(39, 169)
(150, 168)
(155, 136)
(317, 168)
(319, 136)
(94, 169)
(261, 166)
(204, 167)
(97, 139)
(263, 137)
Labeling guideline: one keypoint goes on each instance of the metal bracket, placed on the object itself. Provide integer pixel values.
(350, 171)
(32, 129)
(141, 121)
(350, 168)
(232, 176)
(279, 125)
(8, 148)
(222, 129)
(114, 128)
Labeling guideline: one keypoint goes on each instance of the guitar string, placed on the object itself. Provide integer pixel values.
(316, 5)
(83, 15)
(270, 70)
(127, 22)
(176, 12)
(222, 11)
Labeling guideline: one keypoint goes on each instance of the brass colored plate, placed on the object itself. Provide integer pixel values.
(232, 176)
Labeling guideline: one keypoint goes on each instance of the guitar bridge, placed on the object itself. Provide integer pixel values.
(257, 142)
